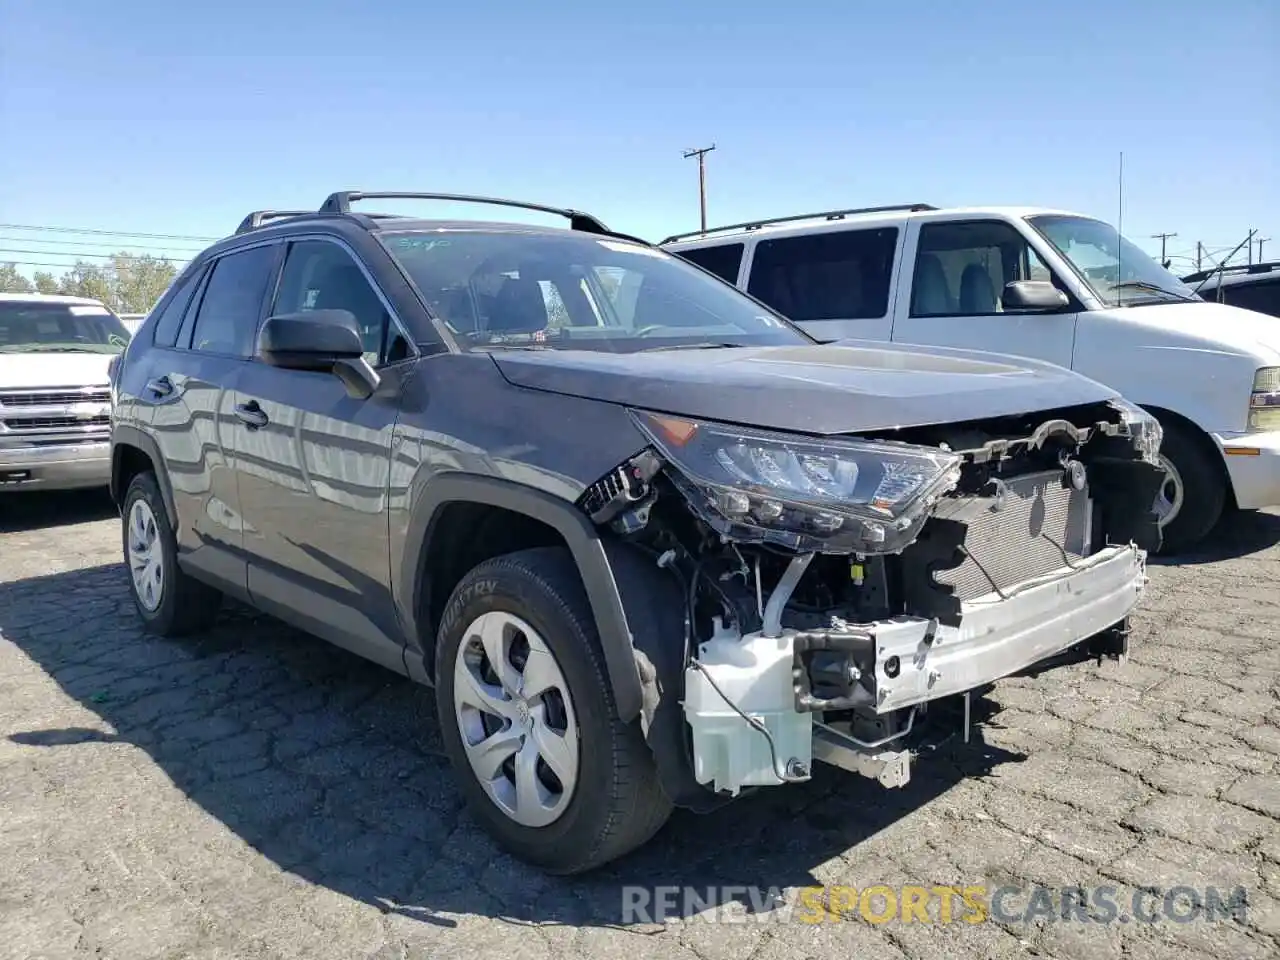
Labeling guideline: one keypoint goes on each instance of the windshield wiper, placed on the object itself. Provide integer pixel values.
(693, 346)
(48, 348)
(1151, 288)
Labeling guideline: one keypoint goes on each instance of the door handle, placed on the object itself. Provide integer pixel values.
(251, 415)
(160, 386)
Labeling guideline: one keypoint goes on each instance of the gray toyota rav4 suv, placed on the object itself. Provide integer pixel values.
(653, 545)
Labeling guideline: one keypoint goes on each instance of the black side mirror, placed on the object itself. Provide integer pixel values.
(325, 341)
(1033, 296)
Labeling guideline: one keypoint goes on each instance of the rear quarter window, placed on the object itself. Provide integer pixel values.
(170, 319)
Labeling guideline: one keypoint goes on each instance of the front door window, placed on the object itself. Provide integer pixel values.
(962, 268)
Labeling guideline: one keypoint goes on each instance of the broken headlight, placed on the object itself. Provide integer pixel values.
(1140, 427)
(832, 495)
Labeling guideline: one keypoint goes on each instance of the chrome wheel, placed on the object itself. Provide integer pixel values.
(516, 718)
(1171, 495)
(145, 555)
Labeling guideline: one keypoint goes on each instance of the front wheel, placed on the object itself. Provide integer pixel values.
(528, 723)
(1194, 493)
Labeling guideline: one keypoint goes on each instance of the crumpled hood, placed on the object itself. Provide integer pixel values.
(26, 370)
(846, 387)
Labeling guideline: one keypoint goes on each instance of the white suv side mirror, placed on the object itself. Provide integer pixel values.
(1033, 296)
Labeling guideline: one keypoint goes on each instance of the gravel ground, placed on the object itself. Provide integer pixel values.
(256, 793)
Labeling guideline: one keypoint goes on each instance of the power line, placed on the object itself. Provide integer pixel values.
(105, 233)
(64, 266)
(90, 256)
(90, 243)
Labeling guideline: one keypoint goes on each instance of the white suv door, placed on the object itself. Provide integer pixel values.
(952, 291)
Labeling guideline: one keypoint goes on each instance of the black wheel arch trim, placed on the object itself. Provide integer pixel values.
(127, 436)
(579, 534)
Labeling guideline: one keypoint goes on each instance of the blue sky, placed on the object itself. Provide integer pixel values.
(172, 118)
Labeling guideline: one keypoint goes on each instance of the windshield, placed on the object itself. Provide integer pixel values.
(1119, 273)
(575, 291)
(29, 327)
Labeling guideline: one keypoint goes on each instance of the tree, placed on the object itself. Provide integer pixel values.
(88, 280)
(140, 281)
(126, 282)
(45, 282)
(11, 281)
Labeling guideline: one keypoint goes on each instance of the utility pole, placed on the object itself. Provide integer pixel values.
(1199, 255)
(701, 154)
(1162, 237)
(1261, 241)
(1250, 254)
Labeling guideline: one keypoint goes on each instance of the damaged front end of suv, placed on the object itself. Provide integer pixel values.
(835, 587)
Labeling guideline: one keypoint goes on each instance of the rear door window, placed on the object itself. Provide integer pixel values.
(833, 275)
(227, 322)
(724, 261)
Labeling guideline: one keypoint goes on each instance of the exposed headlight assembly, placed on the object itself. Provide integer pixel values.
(1140, 427)
(831, 495)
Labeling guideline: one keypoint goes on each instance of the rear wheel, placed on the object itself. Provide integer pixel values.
(528, 721)
(1191, 501)
(170, 602)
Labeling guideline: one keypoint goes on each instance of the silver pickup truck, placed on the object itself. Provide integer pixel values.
(55, 400)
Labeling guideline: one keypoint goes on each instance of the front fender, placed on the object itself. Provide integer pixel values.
(580, 536)
(1178, 357)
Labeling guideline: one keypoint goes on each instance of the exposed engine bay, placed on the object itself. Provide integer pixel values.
(835, 587)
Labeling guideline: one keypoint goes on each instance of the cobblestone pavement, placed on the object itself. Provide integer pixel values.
(256, 793)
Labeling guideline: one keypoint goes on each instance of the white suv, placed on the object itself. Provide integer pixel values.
(1040, 283)
(55, 399)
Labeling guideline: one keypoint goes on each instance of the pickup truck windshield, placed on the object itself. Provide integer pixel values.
(1119, 273)
(518, 290)
(29, 327)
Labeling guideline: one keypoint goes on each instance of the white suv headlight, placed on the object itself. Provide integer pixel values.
(832, 495)
(1264, 402)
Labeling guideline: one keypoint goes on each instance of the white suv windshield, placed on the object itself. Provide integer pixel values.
(498, 289)
(32, 327)
(1119, 273)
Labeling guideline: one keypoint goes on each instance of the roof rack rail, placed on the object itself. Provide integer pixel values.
(341, 203)
(826, 215)
(256, 219)
(1266, 266)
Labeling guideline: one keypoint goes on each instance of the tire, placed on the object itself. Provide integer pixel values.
(1195, 493)
(613, 802)
(179, 604)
